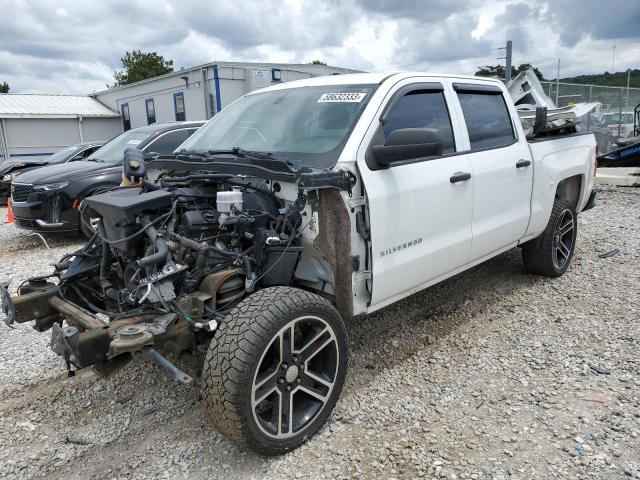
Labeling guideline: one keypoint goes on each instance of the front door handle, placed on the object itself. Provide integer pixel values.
(523, 163)
(460, 177)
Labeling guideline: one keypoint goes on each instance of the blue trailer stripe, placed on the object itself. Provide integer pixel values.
(28, 155)
(216, 83)
(631, 151)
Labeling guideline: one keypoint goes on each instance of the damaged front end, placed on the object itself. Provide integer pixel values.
(167, 262)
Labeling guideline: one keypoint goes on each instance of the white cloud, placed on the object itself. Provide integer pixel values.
(73, 46)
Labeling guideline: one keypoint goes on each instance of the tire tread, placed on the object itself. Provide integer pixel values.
(227, 365)
(536, 254)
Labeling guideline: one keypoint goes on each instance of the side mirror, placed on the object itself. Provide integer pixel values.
(408, 144)
(77, 157)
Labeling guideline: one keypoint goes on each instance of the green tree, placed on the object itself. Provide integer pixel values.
(498, 71)
(138, 65)
(318, 62)
(4, 87)
(615, 79)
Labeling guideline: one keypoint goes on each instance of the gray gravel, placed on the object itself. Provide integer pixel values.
(494, 374)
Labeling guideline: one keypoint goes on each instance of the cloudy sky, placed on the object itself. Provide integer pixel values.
(73, 46)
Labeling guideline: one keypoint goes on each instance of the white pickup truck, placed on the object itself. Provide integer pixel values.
(297, 207)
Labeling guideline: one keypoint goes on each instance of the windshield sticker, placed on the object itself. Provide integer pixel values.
(133, 142)
(338, 97)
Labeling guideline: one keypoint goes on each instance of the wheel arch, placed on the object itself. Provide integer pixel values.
(570, 190)
(334, 244)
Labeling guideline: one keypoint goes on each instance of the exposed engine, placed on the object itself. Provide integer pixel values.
(166, 263)
(167, 243)
(169, 259)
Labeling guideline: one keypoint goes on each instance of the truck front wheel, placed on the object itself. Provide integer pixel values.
(550, 254)
(275, 369)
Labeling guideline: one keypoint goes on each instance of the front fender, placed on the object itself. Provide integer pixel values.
(82, 188)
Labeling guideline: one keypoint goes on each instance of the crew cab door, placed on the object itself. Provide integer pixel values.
(502, 167)
(419, 214)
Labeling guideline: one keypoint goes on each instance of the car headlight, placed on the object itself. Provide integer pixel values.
(50, 186)
(10, 176)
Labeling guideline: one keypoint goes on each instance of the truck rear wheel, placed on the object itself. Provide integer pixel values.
(550, 254)
(275, 369)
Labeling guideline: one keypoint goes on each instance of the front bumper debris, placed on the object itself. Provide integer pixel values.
(92, 340)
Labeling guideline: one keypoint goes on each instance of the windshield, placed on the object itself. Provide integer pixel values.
(63, 155)
(113, 151)
(310, 124)
(614, 118)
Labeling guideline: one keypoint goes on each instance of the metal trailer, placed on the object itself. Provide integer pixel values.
(198, 93)
(36, 126)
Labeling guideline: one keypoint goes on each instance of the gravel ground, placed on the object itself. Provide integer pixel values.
(494, 374)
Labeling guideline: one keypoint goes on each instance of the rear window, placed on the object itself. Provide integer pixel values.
(168, 142)
(63, 155)
(487, 118)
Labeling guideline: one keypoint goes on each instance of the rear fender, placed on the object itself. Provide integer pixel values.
(555, 161)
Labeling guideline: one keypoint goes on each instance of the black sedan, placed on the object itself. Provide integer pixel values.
(46, 199)
(12, 168)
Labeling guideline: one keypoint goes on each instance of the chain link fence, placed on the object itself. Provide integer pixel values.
(610, 120)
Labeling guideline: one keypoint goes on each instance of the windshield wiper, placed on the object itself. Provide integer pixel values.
(257, 155)
(196, 153)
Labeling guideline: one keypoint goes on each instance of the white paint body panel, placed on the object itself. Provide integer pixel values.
(450, 227)
(553, 161)
(420, 222)
(508, 204)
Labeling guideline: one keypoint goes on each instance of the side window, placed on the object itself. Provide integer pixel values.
(168, 142)
(422, 109)
(151, 111)
(78, 156)
(487, 118)
(178, 105)
(89, 151)
(126, 120)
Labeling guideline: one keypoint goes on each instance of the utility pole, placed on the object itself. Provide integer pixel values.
(613, 58)
(558, 83)
(628, 81)
(507, 67)
(507, 58)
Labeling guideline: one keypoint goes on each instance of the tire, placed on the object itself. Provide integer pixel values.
(550, 254)
(249, 373)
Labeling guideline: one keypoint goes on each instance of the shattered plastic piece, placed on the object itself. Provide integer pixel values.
(610, 253)
(599, 370)
(77, 441)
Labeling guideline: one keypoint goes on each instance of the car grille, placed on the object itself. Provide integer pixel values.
(20, 192)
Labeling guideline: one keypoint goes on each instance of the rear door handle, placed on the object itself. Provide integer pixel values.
(523, 163)
(460, 177)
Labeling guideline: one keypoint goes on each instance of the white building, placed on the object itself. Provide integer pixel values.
(200, 92)
(39, 125)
